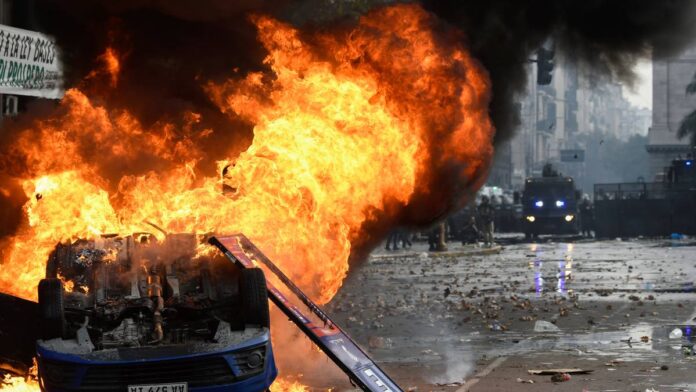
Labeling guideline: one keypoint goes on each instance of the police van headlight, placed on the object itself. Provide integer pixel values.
(539, 203)
(531, 218)
(569, 218)
(560, 203)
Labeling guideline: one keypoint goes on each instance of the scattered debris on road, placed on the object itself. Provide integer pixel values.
(545, 326)
(560, 377)
(550, 372)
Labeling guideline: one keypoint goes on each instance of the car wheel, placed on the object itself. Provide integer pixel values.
(254, 296)
(58, 261)
(52, 312)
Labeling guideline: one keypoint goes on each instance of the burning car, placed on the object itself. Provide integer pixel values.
(134, 313)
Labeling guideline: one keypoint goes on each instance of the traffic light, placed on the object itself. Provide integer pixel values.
(544, 66)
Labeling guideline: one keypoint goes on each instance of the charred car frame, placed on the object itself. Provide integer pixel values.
(132, 313)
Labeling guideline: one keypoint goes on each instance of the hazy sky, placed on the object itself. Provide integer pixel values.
(641, 93)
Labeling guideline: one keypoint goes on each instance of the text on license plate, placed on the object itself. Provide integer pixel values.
(169, 387)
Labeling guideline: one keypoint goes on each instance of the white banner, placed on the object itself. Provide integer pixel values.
(29, 64)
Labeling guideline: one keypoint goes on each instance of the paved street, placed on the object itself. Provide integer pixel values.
(463, 320)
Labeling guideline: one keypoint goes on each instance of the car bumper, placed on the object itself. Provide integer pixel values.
(224, 370)
(551, 225)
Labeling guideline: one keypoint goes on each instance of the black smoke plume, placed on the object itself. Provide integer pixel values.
(608, 35)
(167, 50)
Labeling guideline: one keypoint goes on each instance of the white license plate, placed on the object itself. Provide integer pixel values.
(169, 387)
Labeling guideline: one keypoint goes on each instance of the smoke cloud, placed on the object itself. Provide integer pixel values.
(607, 35)
(168, 45)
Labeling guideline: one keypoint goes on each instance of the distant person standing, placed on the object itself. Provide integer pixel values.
(586, 217)
(404, 238)
(486, 214)
(393, 240)
(433, 238)
(470, 233)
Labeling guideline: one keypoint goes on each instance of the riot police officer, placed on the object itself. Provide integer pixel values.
(486, 213)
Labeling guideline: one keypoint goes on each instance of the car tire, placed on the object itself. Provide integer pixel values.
(254, 296)
(58, 261)
(51, 309)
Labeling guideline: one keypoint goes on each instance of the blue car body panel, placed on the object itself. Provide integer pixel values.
(79, 366)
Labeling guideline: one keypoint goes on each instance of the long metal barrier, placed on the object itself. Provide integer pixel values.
(329, 337)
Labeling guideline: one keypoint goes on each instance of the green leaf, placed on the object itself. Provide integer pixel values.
(688, 127)
(691, 87)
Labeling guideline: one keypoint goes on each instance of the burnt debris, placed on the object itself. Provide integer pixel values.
(135, 291)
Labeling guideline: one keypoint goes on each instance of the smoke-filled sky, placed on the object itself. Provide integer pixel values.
(170, 44)
(608, 35)
(640, 93)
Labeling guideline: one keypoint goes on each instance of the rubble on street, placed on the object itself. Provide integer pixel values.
(597, 311)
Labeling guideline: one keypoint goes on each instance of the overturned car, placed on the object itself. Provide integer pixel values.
(133, 313)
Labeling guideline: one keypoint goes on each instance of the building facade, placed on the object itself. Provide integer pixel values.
(670, 105)
(577, 102)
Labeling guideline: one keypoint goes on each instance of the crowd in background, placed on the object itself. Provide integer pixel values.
(492, 211)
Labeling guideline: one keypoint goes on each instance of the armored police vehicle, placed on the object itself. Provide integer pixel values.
(549, 205)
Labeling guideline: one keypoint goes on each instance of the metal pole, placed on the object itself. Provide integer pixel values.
(442, 245)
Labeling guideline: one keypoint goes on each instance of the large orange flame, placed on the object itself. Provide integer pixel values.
(348, 127)
(27, 383)
(18, 384)
(351, 126)
(283, 385)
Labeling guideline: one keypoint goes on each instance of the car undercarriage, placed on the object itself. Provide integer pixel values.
(136, 291)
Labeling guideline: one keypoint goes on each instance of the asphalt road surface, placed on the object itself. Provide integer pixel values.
(465, 319)
(478, 319)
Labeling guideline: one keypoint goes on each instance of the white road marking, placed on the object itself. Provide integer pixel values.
(483, 373)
